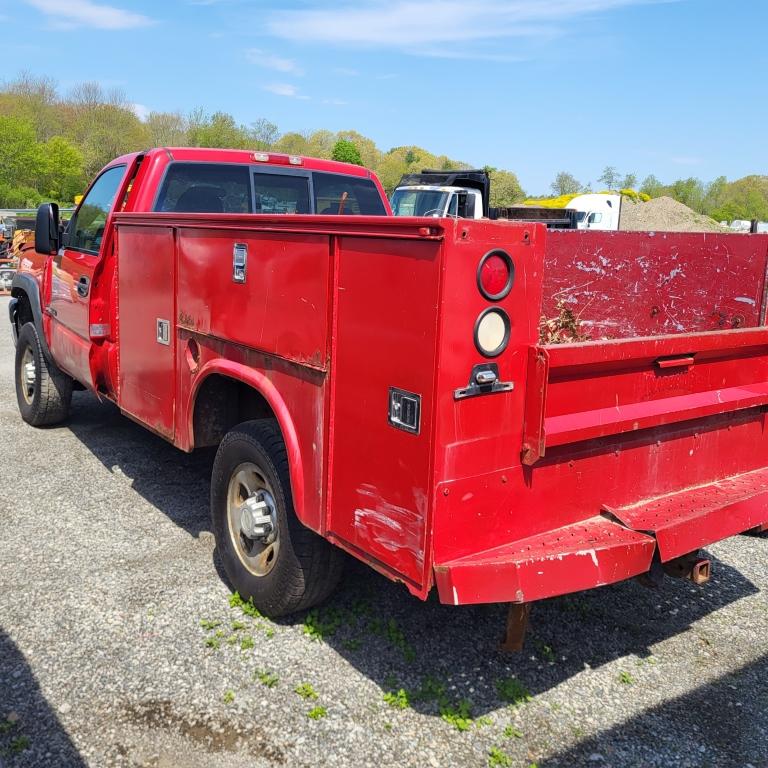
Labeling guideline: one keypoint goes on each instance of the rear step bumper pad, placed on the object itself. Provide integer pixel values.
(612, 547)
(685, 521)
(588, 554)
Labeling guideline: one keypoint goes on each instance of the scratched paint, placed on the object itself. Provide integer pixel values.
(628, 284)
(393, 527)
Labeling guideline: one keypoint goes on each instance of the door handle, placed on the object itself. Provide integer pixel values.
(83, 286)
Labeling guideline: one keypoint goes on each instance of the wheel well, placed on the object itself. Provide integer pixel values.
(222, 403)
(23, 308)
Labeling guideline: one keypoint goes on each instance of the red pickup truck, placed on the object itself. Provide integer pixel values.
(381, 385)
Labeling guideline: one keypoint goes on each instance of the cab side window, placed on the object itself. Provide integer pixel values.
(205, 188)
(86, 228)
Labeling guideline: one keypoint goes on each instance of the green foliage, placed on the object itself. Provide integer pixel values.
(512, 691)
(246, 643)
(626, 678)
(510, 732)
(565, 184)
(268, 679)
(652, 187)
(505, 189)
(209, 624)
(344, 151)
(498, 759)
(248, 608)
(321, 624)
(316, 713)
(306, 691)
(398, 699)
(458, 715)
(610, 177)
(217, 130)
(228, 697)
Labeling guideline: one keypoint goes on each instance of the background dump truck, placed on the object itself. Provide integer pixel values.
(380, 384)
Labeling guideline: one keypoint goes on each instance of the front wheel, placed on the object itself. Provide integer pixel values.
(266, 552)
(43, 392)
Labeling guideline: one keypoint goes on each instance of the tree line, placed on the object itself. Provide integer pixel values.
(745, 198)
(52, 144)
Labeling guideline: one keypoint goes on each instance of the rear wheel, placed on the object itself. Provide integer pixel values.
(43, 392)
(266, 552)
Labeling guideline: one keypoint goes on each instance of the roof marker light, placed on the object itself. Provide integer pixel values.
(262, 157)
(295, 160)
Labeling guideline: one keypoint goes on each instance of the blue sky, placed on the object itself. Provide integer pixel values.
(676, 88)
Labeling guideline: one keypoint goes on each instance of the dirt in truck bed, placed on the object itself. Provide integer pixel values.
(664, 214)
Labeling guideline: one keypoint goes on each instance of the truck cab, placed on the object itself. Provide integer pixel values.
(458, 194)
(596, 211)
(425, 200)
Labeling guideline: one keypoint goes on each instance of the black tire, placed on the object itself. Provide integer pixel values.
(306, 568)
(45, 396)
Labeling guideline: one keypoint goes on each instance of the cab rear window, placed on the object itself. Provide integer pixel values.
(339, 194)
(281, 193)
(205, 188)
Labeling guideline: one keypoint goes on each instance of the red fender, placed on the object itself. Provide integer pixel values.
(267, 389)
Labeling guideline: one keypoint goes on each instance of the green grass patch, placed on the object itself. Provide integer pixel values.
(209, 624)
(316, 713)
(512, 691)
(397, 699)
(306, 691)
(269, 679)
(498, 759)
(458, 715)
(247, 607)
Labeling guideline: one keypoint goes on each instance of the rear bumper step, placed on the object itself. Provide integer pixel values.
(682, 522)
(608, 548)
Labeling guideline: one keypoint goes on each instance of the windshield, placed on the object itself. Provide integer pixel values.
(418, 202)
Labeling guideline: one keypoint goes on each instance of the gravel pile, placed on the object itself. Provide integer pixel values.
(120, 645)
(664, 214)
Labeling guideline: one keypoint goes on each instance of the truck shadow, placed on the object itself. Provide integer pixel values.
(30, 732)
(721, 723)
(396, 640)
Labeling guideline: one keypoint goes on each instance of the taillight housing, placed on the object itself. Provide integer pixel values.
(492, 331)
(495, 275)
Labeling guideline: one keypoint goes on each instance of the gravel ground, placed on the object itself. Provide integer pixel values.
(119, 646)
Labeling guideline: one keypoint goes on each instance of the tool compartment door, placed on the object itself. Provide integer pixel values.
(146, 325)
(386, 300)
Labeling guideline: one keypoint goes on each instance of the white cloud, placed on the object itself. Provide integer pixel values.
(410, 24)
(284, 89)
(141, 111)
(335, 102)
(278, 63)
(84, 13)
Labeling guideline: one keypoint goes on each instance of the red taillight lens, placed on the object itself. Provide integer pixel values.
(495, 275)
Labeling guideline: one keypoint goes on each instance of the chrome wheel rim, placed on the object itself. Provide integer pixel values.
(28, 375)
(249, 489)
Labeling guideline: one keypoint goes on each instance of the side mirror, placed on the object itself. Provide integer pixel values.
(47, 233)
